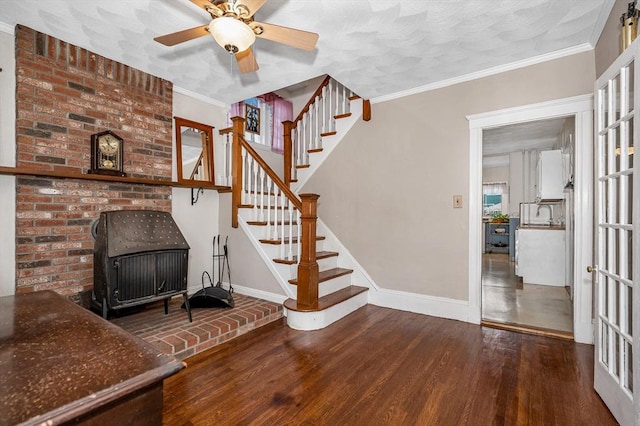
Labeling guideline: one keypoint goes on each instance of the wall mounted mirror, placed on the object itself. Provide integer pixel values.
(194, 151)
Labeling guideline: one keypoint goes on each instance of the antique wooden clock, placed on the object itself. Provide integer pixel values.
(107, 154)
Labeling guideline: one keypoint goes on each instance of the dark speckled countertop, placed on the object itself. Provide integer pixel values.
(58, 360)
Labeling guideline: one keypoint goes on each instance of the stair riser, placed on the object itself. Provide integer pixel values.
(333, 285)
(329, 286)
(321, 319)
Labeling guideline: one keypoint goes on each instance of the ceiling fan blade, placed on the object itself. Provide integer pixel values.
(251, 5)
(208, 7)
(246, 61)
(182, 36)
(304, 40)
(201, 3)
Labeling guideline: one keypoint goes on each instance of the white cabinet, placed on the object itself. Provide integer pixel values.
(550, 183)
(540, 256)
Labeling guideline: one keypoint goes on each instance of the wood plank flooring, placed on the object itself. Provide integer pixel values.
(387, 367)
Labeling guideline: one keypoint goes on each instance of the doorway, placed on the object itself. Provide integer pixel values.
(581, 109)
(528, 289)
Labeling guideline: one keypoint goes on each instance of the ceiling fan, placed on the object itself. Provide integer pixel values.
(232, 26)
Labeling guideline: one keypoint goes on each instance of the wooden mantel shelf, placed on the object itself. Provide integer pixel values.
(26, 171)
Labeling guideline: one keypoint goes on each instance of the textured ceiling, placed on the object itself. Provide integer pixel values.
(376, 48)
(498, 142)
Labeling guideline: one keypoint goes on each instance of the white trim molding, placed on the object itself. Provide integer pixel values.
(582, 108)
(258, 294)
(199, 96)
(7, 28)
(585, 47)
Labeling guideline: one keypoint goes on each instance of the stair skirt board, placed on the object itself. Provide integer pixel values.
(317, 320)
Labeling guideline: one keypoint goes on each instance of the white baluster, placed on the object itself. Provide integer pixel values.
(261, 210)
(245, 171)
(332, 95)
(269, 187)
(255, 188)
(300, 143)
(324, 109)
(312, 119)
(336, 111)
(349, 94)
(290, 252)
(282, 236)
(307, 137)
(298, 246)
(318, 140)
(345, 99)
(275, 213)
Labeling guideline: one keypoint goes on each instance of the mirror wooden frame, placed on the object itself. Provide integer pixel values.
(206, 155)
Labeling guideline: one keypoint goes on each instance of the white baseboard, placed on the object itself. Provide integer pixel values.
(259, 294)
(441, 307)
(320, 319)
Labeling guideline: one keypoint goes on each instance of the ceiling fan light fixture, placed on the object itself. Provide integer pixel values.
(233, 35)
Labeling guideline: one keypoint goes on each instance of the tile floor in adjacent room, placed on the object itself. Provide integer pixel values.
(506, 300)
(175, 335)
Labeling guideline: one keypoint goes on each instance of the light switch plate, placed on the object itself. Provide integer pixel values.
(457, 201)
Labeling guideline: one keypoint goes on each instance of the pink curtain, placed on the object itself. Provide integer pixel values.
(282, 111)
(237, 110)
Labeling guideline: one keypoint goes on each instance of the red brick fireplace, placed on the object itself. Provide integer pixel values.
(64, 95)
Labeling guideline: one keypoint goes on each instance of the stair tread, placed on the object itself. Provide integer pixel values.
(345, 115)
(250, 206)
(328, 134)
(319, 255)
(272, 223)
(327, 301)
(314, 150)
(327, 275)
(286, 240)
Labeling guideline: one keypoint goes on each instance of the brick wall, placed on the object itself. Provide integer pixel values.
(64, 95)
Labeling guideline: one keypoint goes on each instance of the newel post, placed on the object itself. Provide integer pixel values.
(288, 151)
(308, 272)
(236, 171)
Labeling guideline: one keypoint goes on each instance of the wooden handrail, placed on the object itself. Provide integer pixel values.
(273, 175)
(312, 100)
(307, 205)
(196, 166)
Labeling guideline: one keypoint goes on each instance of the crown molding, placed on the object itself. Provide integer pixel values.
(6, 28)
(200, 97)
(486, 73)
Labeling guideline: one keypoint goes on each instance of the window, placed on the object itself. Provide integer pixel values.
(494, 198)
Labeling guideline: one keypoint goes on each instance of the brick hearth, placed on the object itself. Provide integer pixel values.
(175, 335)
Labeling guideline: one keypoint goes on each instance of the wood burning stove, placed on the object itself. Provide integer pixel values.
(139, 256)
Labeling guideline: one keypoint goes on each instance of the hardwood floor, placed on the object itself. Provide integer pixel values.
(382, 366)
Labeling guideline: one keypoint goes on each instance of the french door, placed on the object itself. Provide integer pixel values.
(617, 351)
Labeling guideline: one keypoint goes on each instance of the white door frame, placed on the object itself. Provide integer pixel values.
(581, 107)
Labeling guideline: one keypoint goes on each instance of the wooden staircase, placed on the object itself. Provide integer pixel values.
(319, 286)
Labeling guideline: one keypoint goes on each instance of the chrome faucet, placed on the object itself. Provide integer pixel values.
(550, 212)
